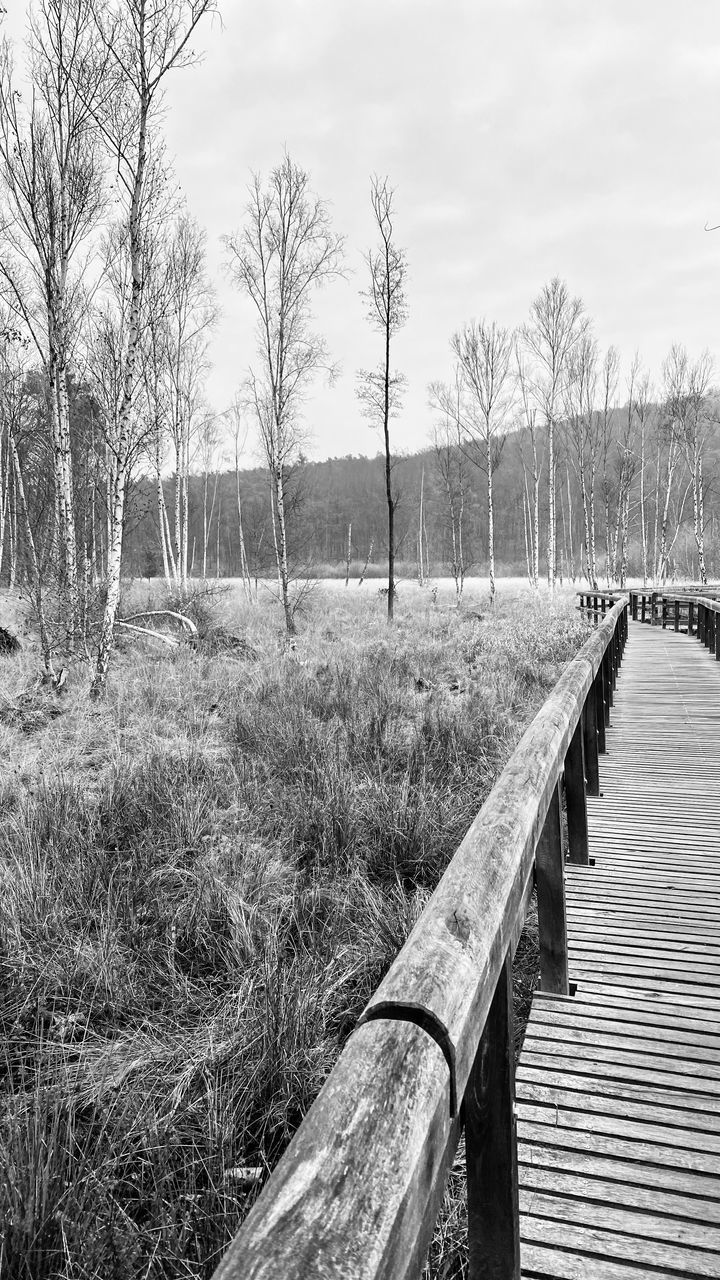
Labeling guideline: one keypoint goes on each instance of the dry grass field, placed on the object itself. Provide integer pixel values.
(202, 879)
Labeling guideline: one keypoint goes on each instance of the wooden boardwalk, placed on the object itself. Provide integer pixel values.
(618, 1087)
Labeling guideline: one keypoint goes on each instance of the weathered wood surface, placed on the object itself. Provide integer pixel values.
(364, 1174)
(619, 1087)
(446, 973)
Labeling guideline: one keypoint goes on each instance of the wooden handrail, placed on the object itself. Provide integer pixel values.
(358, 1191)
(597, 602)
(681, 606)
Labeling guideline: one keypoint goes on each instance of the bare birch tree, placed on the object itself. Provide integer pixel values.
(644, 410)
(532, 511)
(556, 325)
(452, 466)
(190, 316)
(239, 435)
(672, 429)
(144, 40)
(626, 466)
(285, 251)
(51, 174)
(380, 390)
(608, 386)
(696, 426)
(484, 352)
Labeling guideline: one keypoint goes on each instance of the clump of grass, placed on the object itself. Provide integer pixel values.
(201, 883)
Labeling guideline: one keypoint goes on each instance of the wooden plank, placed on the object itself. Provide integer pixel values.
(605, 1191)
(672, 1137)
(626, 1172)
(665, 1011)
(609, 1091)
(641, 955)
(543, 1263)
(702, 1001)
(622, 1036)
(643, 1225)
(619, 1148)
(657, 1028)
(650, 1253)
(653, 1072)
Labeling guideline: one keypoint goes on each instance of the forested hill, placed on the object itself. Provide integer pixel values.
(326, 498)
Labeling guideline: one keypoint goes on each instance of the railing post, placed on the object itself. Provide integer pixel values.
(642, 607)
(491, 1145)
(663, 612)
(552, 924)
(701, 623)
(607, 684)
(598, 692)
(590, 745)
(677, 615)
(613, 648)
(576, 804)
(716, 634)
(691, 616)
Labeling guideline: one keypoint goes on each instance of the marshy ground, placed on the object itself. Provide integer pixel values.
(203, 878)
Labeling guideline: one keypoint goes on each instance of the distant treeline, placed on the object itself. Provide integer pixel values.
(343, 498)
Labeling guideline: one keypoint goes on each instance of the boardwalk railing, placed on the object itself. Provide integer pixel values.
(693, 612)
(708, 624)
(597, 603)
(358, 1191)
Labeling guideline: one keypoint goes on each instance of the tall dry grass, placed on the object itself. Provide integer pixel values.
(201, 882)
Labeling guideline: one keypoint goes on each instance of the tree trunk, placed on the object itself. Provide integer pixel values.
(664, 549)
(205, 525)
(13, 540)
(367, 561)
(526, 527)
(643, 514)
(551, 504)
(697, 512)
(217, 556)
(348, 553)
(281, 550)
(185, 512)
(593, 549)
(124, 434)
(536, 517)
(701, 515)
(491, 517)
(62, 458)
(570, 524)
(34, 568)
(162, 524)
(244, 567)
(4, 513)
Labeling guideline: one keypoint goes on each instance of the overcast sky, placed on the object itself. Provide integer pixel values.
(525, 138)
